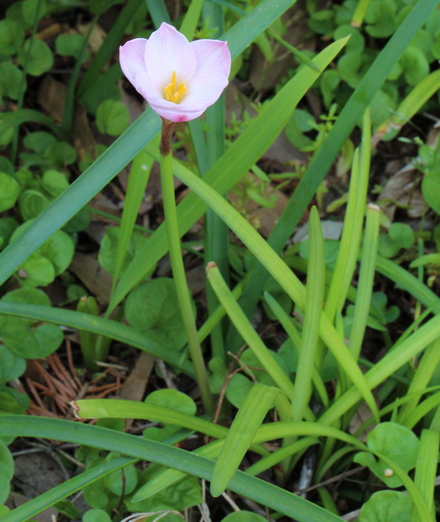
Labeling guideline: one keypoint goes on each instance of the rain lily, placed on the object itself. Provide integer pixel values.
(179, 79)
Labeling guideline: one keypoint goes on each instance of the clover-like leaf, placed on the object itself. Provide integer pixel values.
(381, 18)
(11, 365)
(394, 441)
(10, 190)
(112, 117)
(387, 506)
(399, 236)
(11, 37)
(414, 64)
(36, 56)
(153, 309)
(25, 337)
(431, 190)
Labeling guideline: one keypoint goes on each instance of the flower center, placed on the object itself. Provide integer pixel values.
(172, 92)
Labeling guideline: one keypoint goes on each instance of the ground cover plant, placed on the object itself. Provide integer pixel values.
(219, 258)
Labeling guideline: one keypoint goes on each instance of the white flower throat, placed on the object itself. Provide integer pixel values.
(172, 92)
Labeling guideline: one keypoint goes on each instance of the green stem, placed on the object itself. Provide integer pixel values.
(183, 295)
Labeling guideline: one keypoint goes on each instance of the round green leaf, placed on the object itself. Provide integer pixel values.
(112, 117)
(431, 190)
(381, 18)
(414, 64)
(33, 10)
(11, 81)
(36, 271)
(387, 506)
(54, 182)
(6, 166)
(11, 365)
(9, 192)
(70, 45)
(61, 154)
(397, 443)
(400, 235)
(11, 37)
(172, 399)
(7, 227)
(32, 203)
(39, 141)
(40, 57)
(25, 337)
(96, 515)
(153, 309)
(109, 245)
(121, 481)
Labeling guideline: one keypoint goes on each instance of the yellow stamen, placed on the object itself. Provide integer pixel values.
(172, 93)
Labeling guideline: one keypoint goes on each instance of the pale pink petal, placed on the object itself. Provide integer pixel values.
(212, 54)
(147, 88)
(205, 89)
(168, 51)
(131, 59)
(174, 111)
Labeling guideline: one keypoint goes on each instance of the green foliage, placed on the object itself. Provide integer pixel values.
(152, 309)
(108, 249)
(24, 337)
(400, 236)
(397, 443)
(387, 506)
(112, 117)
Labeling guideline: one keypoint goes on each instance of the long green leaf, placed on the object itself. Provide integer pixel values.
(312, 317)
(136, 447)
(256, 404)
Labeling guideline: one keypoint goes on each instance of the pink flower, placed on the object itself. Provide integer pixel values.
(179, 79)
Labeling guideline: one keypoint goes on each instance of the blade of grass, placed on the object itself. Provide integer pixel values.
(137, 182)
(294, 336)
(298, 54)
(312, 316)
(189, 24)
(425, 370)
(426, 471)
(366, 279)
(410, 106)
(350, 115)
(258, 401)
(353, 221)
(158, 12)
(136, 447)
(122, 409)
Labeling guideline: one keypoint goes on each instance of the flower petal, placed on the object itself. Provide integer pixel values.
(174, 111)
(168, 51)
(205, 89)
(212, 54)
(131, 58)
